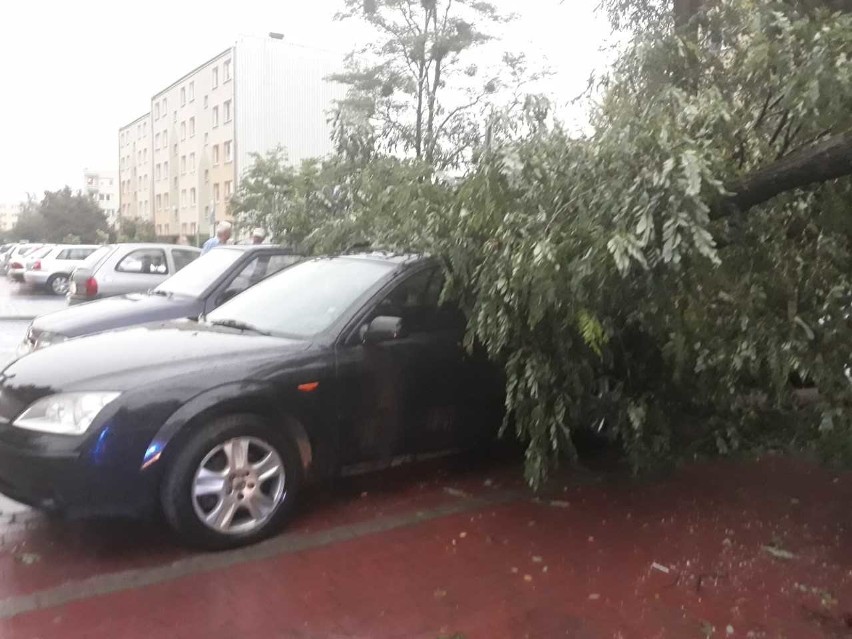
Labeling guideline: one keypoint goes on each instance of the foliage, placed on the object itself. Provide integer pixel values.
(61, 215)
(415, 90)
(601, 272)
(136, 230)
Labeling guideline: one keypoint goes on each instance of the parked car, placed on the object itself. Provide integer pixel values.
(5, 254)
(117, 269)
(198, 288)
(16, 265)
(218, 423)
(51, 267)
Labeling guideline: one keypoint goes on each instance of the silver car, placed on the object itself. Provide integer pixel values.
(51, 267)
(117, 269)
(16, 262)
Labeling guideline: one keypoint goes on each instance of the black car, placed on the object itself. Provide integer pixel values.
(217, 423)
(198, 288)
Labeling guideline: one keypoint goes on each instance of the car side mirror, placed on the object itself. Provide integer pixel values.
(383, 328)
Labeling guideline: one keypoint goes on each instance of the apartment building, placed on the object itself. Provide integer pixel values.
(9, 214)
(102, 186)
(134, 169)
(256, 95)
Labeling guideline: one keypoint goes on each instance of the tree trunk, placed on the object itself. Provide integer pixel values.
(828, 160)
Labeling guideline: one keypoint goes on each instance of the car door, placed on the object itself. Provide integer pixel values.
(403, 395)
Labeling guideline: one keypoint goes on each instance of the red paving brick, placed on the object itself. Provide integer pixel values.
(581, 568)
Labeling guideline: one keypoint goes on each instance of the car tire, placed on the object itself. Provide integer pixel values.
(58, 284)
(198, 459)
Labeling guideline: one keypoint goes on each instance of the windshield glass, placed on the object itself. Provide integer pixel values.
(194, 278)
(304, 299)
(95, 258)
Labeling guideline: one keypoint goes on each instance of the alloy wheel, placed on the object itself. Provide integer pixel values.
(59, 284)
(238, 486)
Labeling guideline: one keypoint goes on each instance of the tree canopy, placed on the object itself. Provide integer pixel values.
(62, 216)
(671, 276)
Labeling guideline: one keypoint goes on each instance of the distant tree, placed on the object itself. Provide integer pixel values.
(60, 215)
(134, 230)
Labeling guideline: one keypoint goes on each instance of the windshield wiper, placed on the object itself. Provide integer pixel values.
(155, 291)
(241, 326)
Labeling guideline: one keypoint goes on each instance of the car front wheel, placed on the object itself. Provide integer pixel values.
(232, 483)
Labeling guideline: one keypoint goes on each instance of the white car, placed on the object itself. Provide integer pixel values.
(16, 260)
(51, 266)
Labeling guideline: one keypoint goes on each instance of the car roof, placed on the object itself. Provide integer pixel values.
(402, 259)
(163, 245)
(245, 248)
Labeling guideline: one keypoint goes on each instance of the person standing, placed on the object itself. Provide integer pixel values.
(223, 236)
(258, 235)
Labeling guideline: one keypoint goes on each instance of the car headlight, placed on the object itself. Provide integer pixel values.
(65, 413)
(48, 339)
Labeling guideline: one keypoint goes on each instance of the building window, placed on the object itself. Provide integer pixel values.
(206, 137)
(166, 170)
(227, 107)
(215, 191)
(145, 154)
(158, 172)
(206, 176)
(174, 116)
(165, 138)
(174, 149)
(157, 141)
(182, 164)
(191, 91)
(157, 111)
(191, 127)
(159, 202)
(215, 116)
(182, 198)
(226, 70)
(175, 183)
(206, 101)
(165, 200)
(183, 131)
(192, 228)
(159, 229)
(182, 96)
(215, 77)
(165, 106)
(192, 197)
(229, 153)
(215, 154)
(228, 188)
(192, 162)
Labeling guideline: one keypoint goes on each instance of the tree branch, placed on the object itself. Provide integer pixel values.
(828, 160)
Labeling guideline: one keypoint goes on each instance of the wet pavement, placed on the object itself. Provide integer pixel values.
(461, 549)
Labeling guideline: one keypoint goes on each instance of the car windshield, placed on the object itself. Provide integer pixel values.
(304, 299)
(193, 279)
(94, 259)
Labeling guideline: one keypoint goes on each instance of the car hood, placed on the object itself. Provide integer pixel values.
(116, 312)
(126, 359)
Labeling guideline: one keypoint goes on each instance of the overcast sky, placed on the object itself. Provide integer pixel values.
(76, 70)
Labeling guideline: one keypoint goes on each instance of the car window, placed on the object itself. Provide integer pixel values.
(253, 271)
(278, 262)
(306, 298)
(195, 278)
(416, 301)
(182, 257)
(41, 252)
(75, 253)
(145, 261)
